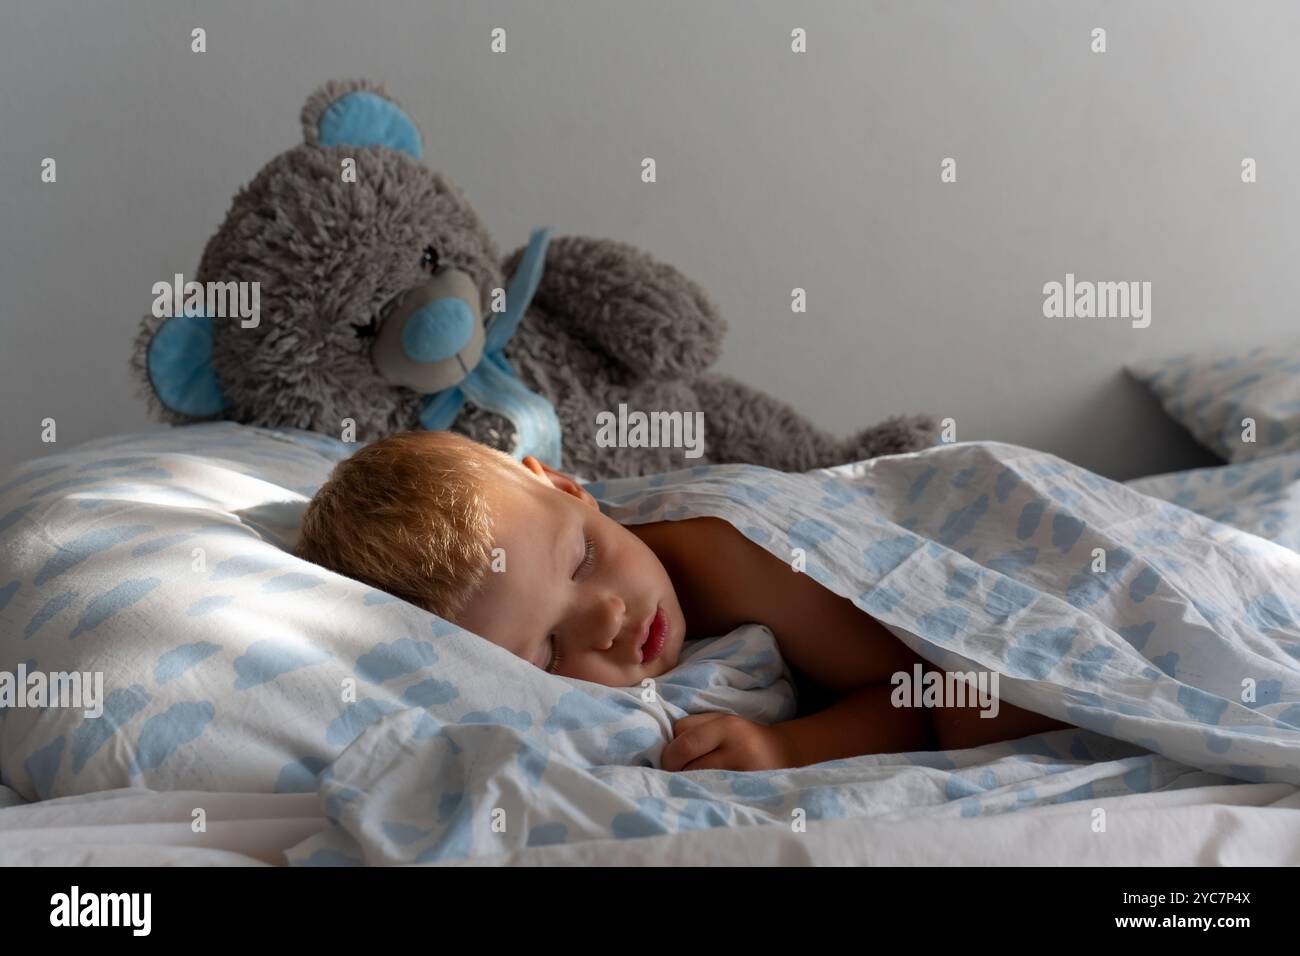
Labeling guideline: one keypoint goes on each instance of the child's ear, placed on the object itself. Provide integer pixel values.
(560, 480)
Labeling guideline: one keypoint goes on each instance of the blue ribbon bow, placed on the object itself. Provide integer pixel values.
(494, 384)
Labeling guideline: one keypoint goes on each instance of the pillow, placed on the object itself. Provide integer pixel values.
(161, 565)
(1262, 496)
(1210, 393)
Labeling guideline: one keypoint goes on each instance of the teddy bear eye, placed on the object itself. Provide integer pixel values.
(430, 259)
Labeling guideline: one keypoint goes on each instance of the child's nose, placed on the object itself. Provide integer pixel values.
(609, 621)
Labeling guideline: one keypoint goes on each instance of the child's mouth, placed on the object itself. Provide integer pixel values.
(656, 637)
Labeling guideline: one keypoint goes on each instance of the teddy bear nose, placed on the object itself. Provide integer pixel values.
(438, 330)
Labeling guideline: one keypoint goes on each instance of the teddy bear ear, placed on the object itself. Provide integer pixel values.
(358, 113)
(179, 364)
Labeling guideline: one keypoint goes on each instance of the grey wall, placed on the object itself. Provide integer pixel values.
(775, 171)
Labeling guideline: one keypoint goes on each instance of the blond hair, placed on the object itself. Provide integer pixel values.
(409, 514)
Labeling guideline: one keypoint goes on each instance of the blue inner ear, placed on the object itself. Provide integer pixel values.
(364, 119)
(180, 366)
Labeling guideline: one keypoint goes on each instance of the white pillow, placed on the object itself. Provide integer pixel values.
(161, 562)
(1211, 393)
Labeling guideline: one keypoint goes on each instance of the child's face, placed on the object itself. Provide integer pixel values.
(579, 593)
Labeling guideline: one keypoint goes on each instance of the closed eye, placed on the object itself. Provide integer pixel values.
(589, 558)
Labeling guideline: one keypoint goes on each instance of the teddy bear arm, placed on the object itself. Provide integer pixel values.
(639, 312)
(742, 424)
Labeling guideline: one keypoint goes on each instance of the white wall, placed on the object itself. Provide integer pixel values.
(775, 171)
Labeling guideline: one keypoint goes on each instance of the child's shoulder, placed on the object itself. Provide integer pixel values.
(715, 569)
(714, 541)
(742, 573)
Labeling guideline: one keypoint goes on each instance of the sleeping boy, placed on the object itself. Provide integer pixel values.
(421, 514)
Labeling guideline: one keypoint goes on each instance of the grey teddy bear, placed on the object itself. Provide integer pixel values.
(383, 305)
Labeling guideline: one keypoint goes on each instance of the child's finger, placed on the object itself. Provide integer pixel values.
(694, 720)
(691, 744)
(719, 759)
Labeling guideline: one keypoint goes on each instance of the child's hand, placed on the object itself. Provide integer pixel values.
(726, 742)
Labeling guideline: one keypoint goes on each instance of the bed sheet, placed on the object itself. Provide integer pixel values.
(1234, 825)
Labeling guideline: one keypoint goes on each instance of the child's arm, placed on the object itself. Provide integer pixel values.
(861, 722)
(958, 728)
(725, 580)
(865, 722)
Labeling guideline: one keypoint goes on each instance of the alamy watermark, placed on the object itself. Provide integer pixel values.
(651, 430)
(75, 908)
(1098, 300)
(76, 689)
(216, 300)
(946, 689)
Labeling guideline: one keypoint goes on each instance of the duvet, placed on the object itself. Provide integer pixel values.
(1171, 640)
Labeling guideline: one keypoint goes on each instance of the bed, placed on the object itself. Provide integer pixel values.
(258, 710)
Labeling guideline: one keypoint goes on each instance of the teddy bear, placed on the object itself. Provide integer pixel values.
(383, 305)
